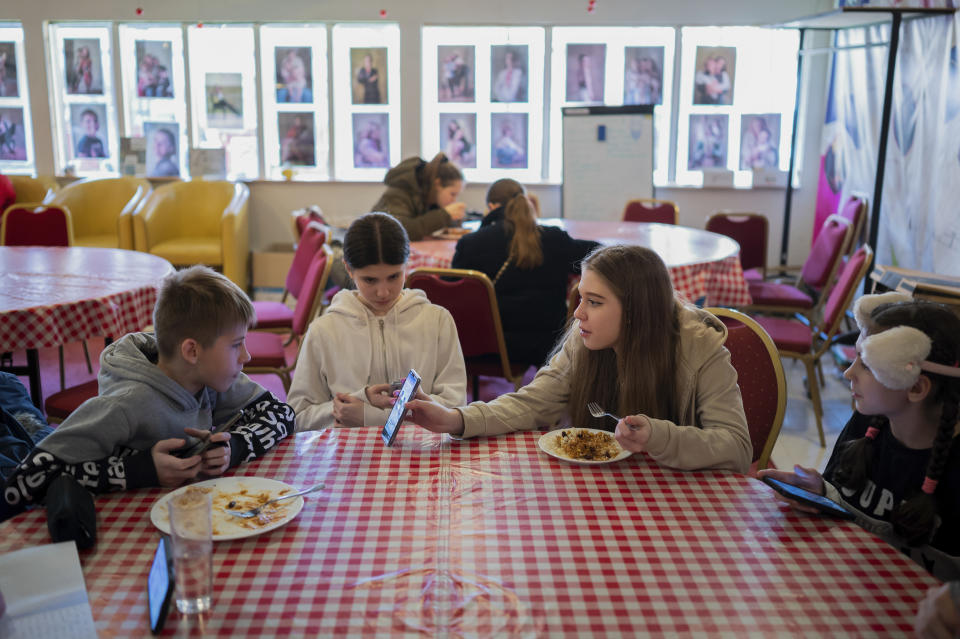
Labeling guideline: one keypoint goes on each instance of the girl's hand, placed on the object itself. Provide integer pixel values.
(456, 210)
(348, 410)
(433, 416)
(380, 395)
(806, 478)
(633, 432)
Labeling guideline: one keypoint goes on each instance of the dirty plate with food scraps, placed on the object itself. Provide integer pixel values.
(246, 493)
(552, 444)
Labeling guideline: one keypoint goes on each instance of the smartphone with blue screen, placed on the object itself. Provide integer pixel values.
(160, 584)
(407, 392)
(807, 498)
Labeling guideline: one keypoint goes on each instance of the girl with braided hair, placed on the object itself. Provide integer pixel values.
(896, 465)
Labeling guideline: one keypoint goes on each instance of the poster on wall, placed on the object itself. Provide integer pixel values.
(713, 81)
(455, 73)
(81, 60)
(371, 140)
(643, 75)
(760, 141)
(163, 159)
(90, 138)
(458, 138)
(508, 140)
(585, 72)
(508, 64)
(224, 100)
(369, 74)
(8, 70)
(708, 142)
(154, 61)
(13, 145)
(294, 77)
(297, 145)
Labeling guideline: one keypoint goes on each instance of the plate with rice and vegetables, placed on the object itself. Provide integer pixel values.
(588, 446)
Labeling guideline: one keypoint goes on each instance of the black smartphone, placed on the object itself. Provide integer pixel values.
(807, 498)
(160, 584)
(203, 444)
(407, 392)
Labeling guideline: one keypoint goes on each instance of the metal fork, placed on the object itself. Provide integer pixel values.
(596, 411)
(253, 512)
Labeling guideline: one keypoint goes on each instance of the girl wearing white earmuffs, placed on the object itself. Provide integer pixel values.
(896, 464)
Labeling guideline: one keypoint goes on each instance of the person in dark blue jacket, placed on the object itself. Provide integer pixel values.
(530, 266)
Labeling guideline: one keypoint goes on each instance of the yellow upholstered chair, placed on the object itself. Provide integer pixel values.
(33, 189)
(197, 222)
(102, 210)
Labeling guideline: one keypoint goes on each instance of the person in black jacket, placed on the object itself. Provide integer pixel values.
(530, 267)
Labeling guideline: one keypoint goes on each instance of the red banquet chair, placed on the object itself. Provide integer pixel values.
(763, 386)
(854, 210)
(796, 339)
(35, 224)
(472, 301)
(650, 210)
(303, 217)
(751, 231)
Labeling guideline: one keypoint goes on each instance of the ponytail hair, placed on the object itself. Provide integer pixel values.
(520, 221)
(855, 459)
(440, 167)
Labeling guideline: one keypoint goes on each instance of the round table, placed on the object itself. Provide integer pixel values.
(53, 295)
(702, 265)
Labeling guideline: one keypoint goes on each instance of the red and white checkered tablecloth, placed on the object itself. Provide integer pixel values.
(491, 537)
(51, 296)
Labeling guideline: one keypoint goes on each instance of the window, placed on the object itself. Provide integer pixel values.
(154, 98)
(224, 95)
(737, 94)
(293, 67)
(613, 66)
(483, 100)
(366, 100)
(16, 128)
(84, 110)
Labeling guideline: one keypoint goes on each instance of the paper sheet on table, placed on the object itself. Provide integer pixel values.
(45, 594)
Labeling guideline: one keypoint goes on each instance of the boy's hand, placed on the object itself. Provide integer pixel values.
(348, 410)
(216, 458)
(173, 471)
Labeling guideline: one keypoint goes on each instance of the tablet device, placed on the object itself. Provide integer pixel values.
(807, 498)
(160, 584)
(407, 392)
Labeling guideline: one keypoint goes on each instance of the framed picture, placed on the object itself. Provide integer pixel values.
(81, 60)
(585, 72)
(369, 72)
(458, 138)
(713, 80)
(89, 139)
(708, 142)
(297, 144)
(760, 141)
(8, 70)
(643, 75)
(509, 64)
(371, 140)
(456, 73)
(508, 134)
(154, 61)
(13, 145)
(224, 100)
(163, 156)
(294, 75)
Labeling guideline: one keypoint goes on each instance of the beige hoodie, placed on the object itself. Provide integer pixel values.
(712, 432)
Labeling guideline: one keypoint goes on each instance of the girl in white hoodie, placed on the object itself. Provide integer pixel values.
(372, 336)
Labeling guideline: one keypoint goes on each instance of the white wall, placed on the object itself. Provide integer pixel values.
(271, 202)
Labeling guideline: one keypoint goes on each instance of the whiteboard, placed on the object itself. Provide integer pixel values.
(607, 160)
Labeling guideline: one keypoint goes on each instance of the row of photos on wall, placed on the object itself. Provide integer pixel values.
(713, 86)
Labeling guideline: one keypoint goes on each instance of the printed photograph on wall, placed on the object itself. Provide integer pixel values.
(13, 145)
(760, 141)
(456, 73)
(371, 140)
(508, 64)
(81, 60)
(224, 100)
(643, 75)
(294, 75)
(708, 142)
(88, 126)
(297, 145)
(713, 80)
(585, 72)
(458, 138)
(154, 62)
(163, 156)
(369, 72)
(8, 70)
(508, 133)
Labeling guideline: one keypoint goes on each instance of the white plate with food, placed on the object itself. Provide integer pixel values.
(246, 493)
(588, 446)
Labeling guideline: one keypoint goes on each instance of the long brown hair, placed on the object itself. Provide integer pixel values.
(643, 378)
(519, 218)
(440, 167)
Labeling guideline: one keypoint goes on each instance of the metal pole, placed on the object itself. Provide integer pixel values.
(785, 235)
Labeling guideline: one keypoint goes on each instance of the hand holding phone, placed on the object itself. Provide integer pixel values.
(409, 389)
(201, 446)
(160, 585)
(800, 495)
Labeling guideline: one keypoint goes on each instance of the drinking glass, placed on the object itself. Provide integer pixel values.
(191, 531)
